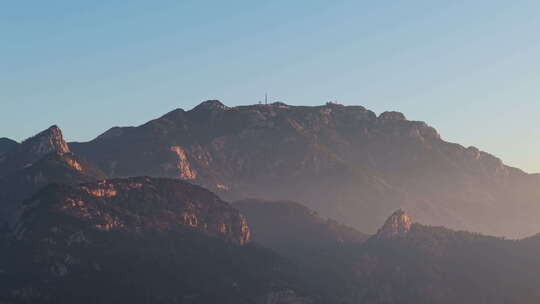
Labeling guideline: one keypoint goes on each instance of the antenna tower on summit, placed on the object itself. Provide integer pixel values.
(265, 98)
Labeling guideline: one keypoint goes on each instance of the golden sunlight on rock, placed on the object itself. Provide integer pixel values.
(182, 164)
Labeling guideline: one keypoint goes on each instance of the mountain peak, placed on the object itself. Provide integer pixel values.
(399, 223)
(392, 115)
(33, 149)
(47, 141)
(211, 105)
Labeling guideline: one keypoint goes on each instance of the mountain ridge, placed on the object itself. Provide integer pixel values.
(7, 144)
(40, 160)
(293, 230)
(32, 149)
(114, 204)
(368, 165)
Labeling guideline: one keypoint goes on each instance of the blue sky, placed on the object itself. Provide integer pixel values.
(469, 68)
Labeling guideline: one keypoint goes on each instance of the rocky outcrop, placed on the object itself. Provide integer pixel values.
(182, 164)
(398, 224)
(40, 160)
(55, 167)
(391, 115)
(211, 105)
(45, 142)
(32, 150)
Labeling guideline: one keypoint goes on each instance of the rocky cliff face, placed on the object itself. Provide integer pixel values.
(134, 205)
(45, 142)
(343, 161)
(398, 224)
(39, 161)
(32, 150)
(53, 168)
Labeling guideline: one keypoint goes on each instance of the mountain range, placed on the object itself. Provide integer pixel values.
(270, 204)
(345, 162)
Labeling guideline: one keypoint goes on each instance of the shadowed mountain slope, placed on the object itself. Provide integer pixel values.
(138, 240)
(7, 144)
(293, 230)
(411, 263)
(154, 240)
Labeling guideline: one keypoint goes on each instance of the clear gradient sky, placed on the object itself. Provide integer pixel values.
(469, 68)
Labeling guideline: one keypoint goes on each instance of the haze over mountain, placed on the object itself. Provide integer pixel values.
(163, 240)
(79, 225)
(404, 262)
(294, 230)
(74, 236)
(139, 240)
(343, 161)
(414, 184)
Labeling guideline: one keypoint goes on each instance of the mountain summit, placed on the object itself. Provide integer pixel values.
(40, 160)
(33, 149)
(211, 105)
(46, 141)
(399, 223)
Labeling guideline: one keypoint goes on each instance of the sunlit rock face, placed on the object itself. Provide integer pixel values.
(33, 149)
(399, 223)
(345, 162)
(182, 164)
(40, 160)
(47, 141)
(156, 240)
(134, 205)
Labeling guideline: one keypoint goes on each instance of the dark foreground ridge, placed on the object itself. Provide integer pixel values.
(142, 240)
